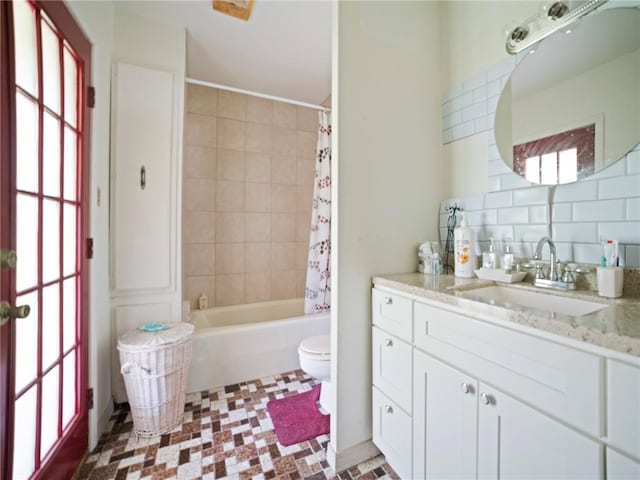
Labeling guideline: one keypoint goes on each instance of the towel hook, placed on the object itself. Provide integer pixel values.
(143, 177)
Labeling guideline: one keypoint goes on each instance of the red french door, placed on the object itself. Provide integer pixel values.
(44, 220)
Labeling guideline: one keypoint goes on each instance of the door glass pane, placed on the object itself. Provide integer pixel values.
(50, 324)
(50, 68)
(69, 388)
(50, 404)
(26, 342)
(26, 144)
(70, 86)
(26, 65)
(69, 243)
(70, 187)
(50, 240)
(51, 156)
(27, 242)
(69, 313)
(24, 439)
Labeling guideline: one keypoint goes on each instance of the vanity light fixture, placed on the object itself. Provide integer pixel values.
(556, 17)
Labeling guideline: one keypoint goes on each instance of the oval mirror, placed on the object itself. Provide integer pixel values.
(572, 107)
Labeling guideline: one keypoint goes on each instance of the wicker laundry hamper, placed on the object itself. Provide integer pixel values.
(155, 366)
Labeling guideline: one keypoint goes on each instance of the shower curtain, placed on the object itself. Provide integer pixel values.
(318, 287)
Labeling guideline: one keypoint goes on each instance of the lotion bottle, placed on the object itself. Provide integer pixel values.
(464, 249)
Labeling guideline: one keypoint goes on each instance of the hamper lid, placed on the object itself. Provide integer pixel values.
(142, 340)
(319, 345)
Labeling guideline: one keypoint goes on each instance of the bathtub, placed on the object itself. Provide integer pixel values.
(243, 342)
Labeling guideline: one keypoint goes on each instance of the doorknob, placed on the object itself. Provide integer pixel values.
(8, 259)
(7, 312)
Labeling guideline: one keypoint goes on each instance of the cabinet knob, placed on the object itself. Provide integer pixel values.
(388, 342)
(388, 408)
(466, 388)
(486, 399)
(388, 300)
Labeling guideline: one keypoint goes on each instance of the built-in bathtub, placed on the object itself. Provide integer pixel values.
(243, 342)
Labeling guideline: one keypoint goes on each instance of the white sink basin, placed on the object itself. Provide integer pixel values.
(539, 301)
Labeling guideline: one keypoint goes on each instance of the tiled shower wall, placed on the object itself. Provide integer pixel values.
(576, 216)
(248, 186)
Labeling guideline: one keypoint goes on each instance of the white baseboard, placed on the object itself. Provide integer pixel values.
(102, 420)
(351, 456)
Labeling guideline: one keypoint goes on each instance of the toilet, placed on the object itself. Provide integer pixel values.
(315, 360)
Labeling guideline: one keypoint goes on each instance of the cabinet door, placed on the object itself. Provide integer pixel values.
(444, 420)
(392, 433)
(516, 441)
(392, 368)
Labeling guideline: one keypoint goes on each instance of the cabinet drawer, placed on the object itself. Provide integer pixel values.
(392, 433)
(623, 407)
(556, 379)
(392, 313)
(392, 368)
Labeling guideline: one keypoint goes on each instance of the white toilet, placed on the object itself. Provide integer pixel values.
(315, 360)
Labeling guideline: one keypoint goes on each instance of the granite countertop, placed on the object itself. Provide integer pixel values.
(615, 327)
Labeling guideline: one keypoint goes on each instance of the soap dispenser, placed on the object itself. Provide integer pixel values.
(489, 258)
(465, 255)
(508, 257)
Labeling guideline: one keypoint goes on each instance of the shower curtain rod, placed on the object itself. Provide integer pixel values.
(256, 94)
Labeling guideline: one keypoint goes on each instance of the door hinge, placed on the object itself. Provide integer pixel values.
(89, 248)
(91, 97)
(89, 398)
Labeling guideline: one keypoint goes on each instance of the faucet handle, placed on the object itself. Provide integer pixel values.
(571, 269)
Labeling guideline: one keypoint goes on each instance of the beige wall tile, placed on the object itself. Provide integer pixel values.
(229, 227)
(229, 258)
(257, 257)
(283, 198)
(283, 256)
(305, 171)
(307, 119)
(203, 100)
(229, 289)
(198, 227)
(259, 110)
(201, 130)
(199, 195)
(231, 134)
(283, 285)
(199, 259)
(303, 226)
(301, 282)
(304, 198)
(306, 144)
(257, 287)
(283, 227)
(284, 141)
(257, 227)
(302, 255)
(194, 286)
(257, 167)
(232, 105)
(258, 197)
(230, 165)
(283, 170)
(259, 138)
(199, 162)
(229, 196)
(284, 115)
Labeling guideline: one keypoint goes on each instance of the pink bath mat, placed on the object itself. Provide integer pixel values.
(297, 418)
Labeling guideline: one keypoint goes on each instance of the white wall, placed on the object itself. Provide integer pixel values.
(388, 177)
(96, 19)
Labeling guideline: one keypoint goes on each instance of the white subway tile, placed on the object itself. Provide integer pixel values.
(456, 103)
(454, 92)
(467, 99)
(603, 210)
(494, 88)
(446, 109)
(530, 233)
(561, 212)
(633, 162)
(474, 111)
(522, 250)
(451, 120)
(620, 187)
(506, 66)
(587, 252)
(531, 196)
(498, 199)
(632, 256)
(575, 192)
(481, 124)
(480, 94)
(511, 181)
(510, 216)
(624, 232)
(493, 184)
(492, 104)
(463, 130)
(493, 153)
(499, 232)
(475, 202)
(496, 167)
(539, 214)
(633, 209)
(474, 82)
(483, 217)
(616, 169)
(564, 251)
(575, 232)
(447, 135)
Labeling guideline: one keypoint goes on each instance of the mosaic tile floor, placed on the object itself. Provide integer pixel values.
(226, 433)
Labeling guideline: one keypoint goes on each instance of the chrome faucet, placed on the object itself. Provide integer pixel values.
(553, 269)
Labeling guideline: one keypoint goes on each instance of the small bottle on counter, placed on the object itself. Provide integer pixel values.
(203, 302)
(436, 264)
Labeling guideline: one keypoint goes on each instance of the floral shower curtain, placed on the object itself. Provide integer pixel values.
(318, 288)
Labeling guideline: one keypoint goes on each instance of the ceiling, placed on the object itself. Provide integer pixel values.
(283, 50)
